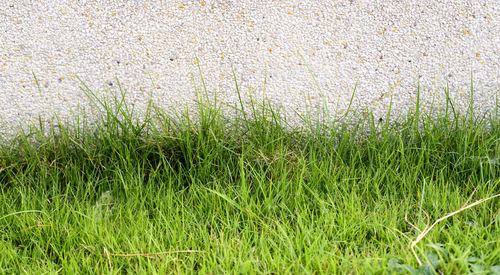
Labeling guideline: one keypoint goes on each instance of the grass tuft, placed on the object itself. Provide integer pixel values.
(248, 193)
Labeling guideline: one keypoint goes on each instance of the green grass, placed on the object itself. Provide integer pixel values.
(250, 194)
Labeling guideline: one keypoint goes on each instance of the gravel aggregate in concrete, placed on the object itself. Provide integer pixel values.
(383, 47)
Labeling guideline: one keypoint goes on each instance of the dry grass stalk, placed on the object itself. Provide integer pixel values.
(429, 228)
(149, 255)
(38, 225)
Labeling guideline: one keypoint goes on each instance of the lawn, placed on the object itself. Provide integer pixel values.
(248, 193)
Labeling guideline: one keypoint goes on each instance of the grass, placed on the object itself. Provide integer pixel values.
(250, 194)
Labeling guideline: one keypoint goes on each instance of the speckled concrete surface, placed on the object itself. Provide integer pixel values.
(384, 46)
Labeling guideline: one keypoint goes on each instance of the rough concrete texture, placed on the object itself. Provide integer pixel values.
(385, 47)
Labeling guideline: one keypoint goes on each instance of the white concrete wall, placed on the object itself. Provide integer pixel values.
(374, 43)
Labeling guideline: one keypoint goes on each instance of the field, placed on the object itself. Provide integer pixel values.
(247, 193)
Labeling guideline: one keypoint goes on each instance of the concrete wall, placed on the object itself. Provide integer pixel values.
(381, 45)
